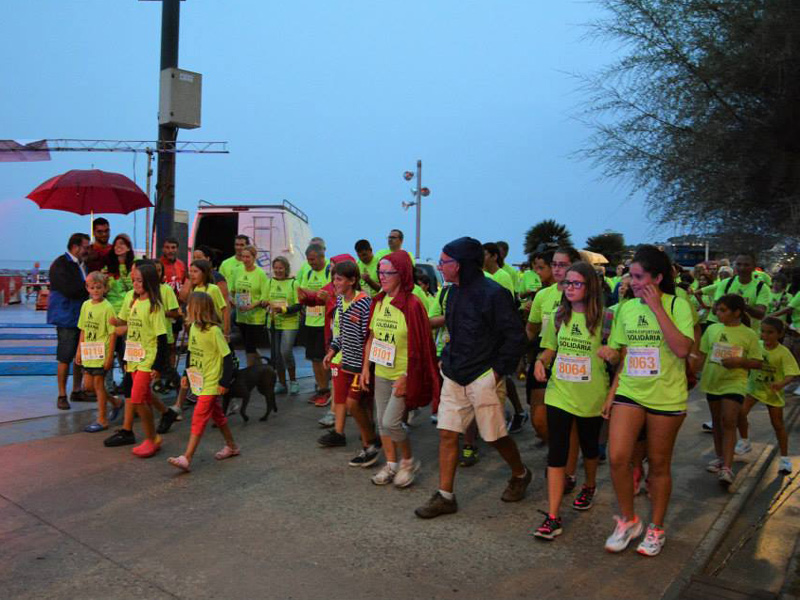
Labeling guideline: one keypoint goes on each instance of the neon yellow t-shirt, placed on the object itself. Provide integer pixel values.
(682, 293)
(529, 282)
(779, 301)
(94, 322)
(386, 251)
(216, 296)
(117, 288)
(652, 374)
(513, 273)
(170, 302)
(207, 349)
(579, 383)
(144, 327)
(251, 288)
(755, 293)
(230, 269)
(544, 305)
(502, 278)
(436, 308)
(283, 293)
(315, 280)
(779, 363)
(718, 342)
(420, 293)
(388, 325)
(372, 269)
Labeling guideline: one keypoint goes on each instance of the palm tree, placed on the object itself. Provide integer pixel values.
(610, 244)
(547, 232)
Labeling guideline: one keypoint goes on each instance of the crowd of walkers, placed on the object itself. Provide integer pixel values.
(608, 359)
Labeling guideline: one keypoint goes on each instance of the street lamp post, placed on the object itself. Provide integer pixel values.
(418, 193)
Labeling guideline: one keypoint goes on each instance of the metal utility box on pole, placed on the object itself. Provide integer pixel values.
(164, 220)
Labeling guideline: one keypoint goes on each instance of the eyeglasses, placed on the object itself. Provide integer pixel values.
(386, 273)
(574, 284)
(447, 262)
(561, 265)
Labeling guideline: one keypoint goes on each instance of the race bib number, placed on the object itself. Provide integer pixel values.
(278, 305)
(93, 351)
(644, 362)
(720, 351)
(574, 368)
(243, 299)
(315, 311)
(446, 337)
(195, 380)
(134, 352)
(382, 353)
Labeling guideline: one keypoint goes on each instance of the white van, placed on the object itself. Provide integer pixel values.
(275, 229)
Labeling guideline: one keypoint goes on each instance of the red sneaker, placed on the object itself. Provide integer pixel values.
(146, 449)
(323, 400)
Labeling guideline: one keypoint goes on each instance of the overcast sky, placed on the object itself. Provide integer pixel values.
(324, 103)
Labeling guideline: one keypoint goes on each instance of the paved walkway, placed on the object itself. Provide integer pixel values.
(287, 519)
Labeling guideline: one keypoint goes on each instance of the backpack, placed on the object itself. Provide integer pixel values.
(730, 283)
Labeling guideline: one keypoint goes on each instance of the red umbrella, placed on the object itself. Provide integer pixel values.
(87, 192)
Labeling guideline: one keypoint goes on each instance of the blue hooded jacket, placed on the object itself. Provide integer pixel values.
(486, 331)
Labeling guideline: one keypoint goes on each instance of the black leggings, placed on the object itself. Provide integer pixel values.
(559, 426)
(250, 335)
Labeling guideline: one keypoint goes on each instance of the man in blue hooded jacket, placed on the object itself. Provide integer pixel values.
(486, 342)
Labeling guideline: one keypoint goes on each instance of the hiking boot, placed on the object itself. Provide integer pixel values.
(437, 505)
(122, 437)
(550, 528)
(585, 499)
(515, 490)
(332, 440)
(469, 456)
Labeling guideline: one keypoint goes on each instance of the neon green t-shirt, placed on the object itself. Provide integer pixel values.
(144, 327)
(305, 269)
(779, 301)
(652, 375)
(762, 276)
(216, 296)
(315, 280)
(117, 288)
(436, 308)
(385, 251)
(719, 342)
(682, 293)
(207, 349)
(251, 288)
(513, 273)
(372, 269)
(579, 383)
(755, 293)
(230, 269)
(388, 325)
(280, 293)
(529, 282)
(502, 278)
(779, 363)
(170, 302)
(420, 293)
(544, 305)
(93, 321)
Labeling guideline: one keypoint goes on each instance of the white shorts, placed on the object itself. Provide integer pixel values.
(459, 404)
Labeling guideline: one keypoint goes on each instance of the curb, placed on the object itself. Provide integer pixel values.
(702, 554)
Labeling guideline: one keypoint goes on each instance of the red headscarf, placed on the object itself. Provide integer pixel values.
(422, 382)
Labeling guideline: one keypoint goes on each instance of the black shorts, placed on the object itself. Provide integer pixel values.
(95, 371)
(531, 383)
(624, 400)
(735, 397)
(315, 342)
(67, 348)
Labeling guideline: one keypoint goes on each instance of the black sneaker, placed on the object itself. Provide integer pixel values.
(435, 506)
(515, 490)
(166, 421)
(550, 528)
(366, 457)
(570, 481)
(332, 440)
(122, 437)
(517, 422)
(584, 499)
(469, 456)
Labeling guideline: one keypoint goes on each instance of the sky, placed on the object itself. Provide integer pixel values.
(325, 103)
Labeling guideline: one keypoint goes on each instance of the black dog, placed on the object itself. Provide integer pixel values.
(259, 376)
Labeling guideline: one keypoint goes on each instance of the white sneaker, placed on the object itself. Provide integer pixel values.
(725, 476)
(385, 476)
(743, 446)
(714, 466)
(653, 541)
(623, 534)
(327, 420)
(405, 475)
(708, 427)
(785, 465)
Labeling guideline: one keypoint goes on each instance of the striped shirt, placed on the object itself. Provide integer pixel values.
(353, 332)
